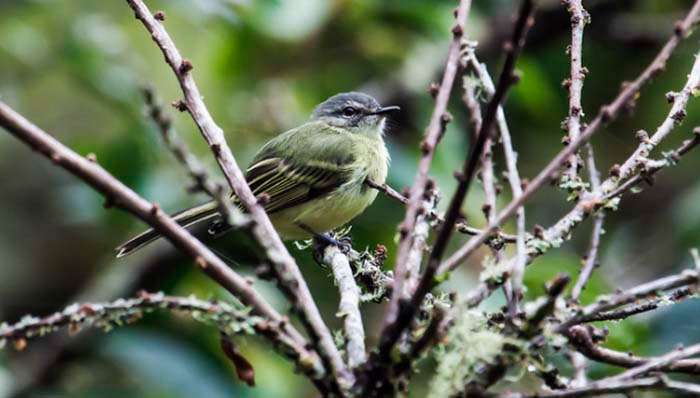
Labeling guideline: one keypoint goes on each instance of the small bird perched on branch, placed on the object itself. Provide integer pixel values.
(311, 178)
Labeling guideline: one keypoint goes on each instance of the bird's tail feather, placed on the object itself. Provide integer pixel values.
(185, 218)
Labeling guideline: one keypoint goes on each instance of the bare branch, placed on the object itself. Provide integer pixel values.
(388, 191)
(288, 273)
(427, 217)
(662, 362)
(579, 19)
(598, 389)
(202, 181)
(398, 319)
(432, 137)
(228, 319)
(580, 337)
(591, 258)
(606, 303)
(349, 307)
(514, 179)
(650, 168)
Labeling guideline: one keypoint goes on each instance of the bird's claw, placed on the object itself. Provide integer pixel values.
(321, 241)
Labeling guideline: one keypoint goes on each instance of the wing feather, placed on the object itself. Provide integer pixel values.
(288, 184)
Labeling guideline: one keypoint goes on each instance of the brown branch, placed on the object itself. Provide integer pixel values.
(388, 191)
(459, 226)
(432, 137)
(580, 337)
(514, 180)
(604, 388)
(488, 179)
(579, 19)
(591, 258)
(426, 218)
(376, 383)
(395, 325)
(290, 278)
(202, 181)
(651, 168)
(606, 303)
(123, 311)
(606, 114)
(119, 195)
(554, 290)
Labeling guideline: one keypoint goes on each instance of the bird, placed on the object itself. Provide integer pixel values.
(314, 178)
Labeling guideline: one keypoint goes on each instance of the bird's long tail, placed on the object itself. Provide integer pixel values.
(186, 218)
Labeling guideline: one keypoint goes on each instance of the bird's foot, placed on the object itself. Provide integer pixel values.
(322, 241)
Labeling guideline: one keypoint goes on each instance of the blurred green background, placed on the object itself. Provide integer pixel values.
(75, 68)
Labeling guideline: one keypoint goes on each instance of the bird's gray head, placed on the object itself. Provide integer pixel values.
(357, 112)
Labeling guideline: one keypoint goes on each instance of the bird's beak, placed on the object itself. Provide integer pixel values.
(385, 110)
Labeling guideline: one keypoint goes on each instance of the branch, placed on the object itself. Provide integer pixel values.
(427, 216)
(388, 191)
(349, 307)
(514, 180)
(606, 303)
(461, 227)
(488, 179)
(290, 278)
(202, 181)
(591, 258)
(638, 308)
(650, 168)
(667, 361)
(601, 388)
(119, 195)
(433, 135)
(606, 114)
(579, 19)
(106, 316)
(395, 325)
(580, 337)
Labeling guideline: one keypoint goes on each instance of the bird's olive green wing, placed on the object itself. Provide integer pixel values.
(286, 183)
(301, 165)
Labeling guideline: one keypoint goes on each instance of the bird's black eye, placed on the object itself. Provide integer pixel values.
(349, 111)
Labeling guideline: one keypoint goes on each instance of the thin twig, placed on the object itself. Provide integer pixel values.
(119, 195)
(604, 388)
(591, 258)
(650, 168)
(123, 311)
(488, 178)
(396, 325)
(579, 19)
(580, 338)
(461, 227)
(426, 218)
(290, 278)
(640, 307)
(202, 181)
(662, 362)
(514, 179)
(349, 307)
(388, 191)
(432, 137)
(685, 278)
(606, 114)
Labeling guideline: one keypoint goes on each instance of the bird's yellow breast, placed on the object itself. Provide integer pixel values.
(346, 202)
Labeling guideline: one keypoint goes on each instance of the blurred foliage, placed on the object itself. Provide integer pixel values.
(75, 68)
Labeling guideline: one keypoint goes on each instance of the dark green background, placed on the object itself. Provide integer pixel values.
(75, 68)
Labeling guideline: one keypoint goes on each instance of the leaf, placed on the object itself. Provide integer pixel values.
(244, 369)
